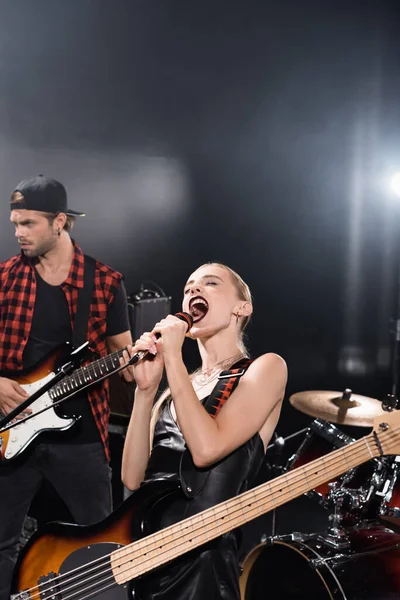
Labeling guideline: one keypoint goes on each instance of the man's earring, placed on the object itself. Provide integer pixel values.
(59, 232)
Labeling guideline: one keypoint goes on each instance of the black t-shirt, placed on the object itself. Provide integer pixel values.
(50, 328)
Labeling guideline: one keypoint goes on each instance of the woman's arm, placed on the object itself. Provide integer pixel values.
(147, 374)
(256, 400)
(136, 451)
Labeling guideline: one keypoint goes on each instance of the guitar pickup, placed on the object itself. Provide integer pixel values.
(47, 589)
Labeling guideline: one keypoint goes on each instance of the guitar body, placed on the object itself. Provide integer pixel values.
(58, 548)
(15, 440)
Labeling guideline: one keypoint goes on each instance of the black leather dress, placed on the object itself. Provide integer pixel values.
(211, 571)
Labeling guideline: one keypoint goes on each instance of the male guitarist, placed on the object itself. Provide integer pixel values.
(39, 293)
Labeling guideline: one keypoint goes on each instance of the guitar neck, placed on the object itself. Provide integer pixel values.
(157, 549)
(86, 375)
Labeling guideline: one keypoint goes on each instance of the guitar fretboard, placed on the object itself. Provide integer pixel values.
(86, 375)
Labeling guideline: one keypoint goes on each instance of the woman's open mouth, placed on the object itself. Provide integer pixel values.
(198, 308)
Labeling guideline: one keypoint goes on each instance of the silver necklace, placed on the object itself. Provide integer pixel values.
(205, 376)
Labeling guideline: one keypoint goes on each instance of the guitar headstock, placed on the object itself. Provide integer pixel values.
(387, 430)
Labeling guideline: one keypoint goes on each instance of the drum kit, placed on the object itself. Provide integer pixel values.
(358, 556)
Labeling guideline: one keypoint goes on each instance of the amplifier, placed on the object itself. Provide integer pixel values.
(143, 315)
(145, 312)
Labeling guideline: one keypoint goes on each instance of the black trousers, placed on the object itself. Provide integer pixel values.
(78, 472)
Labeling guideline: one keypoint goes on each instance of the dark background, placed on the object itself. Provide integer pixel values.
(260, 134)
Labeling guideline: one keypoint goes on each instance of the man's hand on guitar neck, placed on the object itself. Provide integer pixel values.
(11, 395)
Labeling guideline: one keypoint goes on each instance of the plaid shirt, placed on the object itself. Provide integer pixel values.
(17, 300)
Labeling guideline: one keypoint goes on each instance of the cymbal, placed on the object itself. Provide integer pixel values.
(344, 408)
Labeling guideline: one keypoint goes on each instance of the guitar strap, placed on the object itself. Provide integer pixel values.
(227, 382)
(193, 479)
(83, 304)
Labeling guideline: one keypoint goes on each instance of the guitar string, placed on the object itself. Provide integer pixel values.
(140, 543)
(90, 367)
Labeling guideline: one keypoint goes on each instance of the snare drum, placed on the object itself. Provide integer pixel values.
(298, 567)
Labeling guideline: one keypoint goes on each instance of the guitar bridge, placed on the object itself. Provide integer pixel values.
(46, 589)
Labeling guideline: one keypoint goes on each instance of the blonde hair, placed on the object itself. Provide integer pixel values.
(16, 197)
(244, 293)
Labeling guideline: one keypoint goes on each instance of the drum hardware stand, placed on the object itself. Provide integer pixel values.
(331, 433)
(278, 468)
(296, 536)
(378, 477)
(282, 441)
(336, 536)
(390, 482)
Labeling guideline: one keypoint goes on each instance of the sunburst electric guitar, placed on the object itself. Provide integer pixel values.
(100, 562)
(14, 441)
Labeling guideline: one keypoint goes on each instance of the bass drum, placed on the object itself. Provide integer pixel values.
(299, 567)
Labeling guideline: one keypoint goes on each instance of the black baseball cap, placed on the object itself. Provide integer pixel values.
(43, 194)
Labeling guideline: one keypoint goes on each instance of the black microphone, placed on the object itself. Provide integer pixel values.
(184, 316)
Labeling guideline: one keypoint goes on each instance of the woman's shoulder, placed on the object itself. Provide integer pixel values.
(270, 358)
(267, 365)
